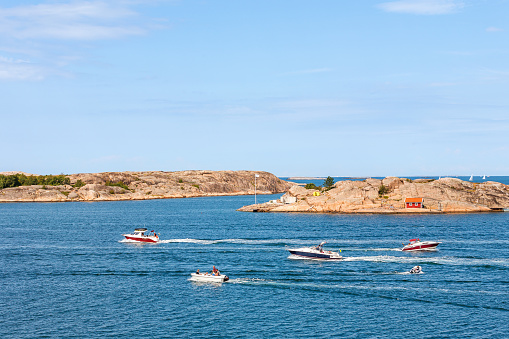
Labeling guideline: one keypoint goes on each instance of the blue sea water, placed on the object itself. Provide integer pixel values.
(65, 272)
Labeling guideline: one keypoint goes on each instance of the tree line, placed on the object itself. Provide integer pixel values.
(19, 179)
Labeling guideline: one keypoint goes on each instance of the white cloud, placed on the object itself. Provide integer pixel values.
(40, 34)
(422, 7)
(494, 29)
(19, 69)
(82, 20)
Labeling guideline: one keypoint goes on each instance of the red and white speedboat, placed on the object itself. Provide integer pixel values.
(417, 245)
(140, 236)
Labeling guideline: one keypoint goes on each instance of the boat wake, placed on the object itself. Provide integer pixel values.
(187, 240)
(230, 241)
(251, 281)
(372, 249)
(434, 260)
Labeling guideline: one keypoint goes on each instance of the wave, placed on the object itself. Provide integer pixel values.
(187, 240)
(351, 287)
(232, 241)
(453, 261)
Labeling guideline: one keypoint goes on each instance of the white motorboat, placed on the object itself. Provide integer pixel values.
(207, 277)
(417, 245)
(315, 252)
(416, 270)
(140, 236)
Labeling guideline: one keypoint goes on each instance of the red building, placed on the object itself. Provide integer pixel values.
(414, 202)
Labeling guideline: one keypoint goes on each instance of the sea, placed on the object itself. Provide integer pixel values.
(66, 272)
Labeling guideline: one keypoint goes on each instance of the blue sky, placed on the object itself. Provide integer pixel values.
(340, 88)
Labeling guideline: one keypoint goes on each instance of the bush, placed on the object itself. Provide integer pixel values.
(197, 186)
(16, 180)
(79, 183)
(312, 186)
(329, 182)
(118, 183)
(382, 190)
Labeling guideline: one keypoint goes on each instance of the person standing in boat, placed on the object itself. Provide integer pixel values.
(215, 271)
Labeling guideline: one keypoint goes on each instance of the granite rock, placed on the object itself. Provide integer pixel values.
(440, 196)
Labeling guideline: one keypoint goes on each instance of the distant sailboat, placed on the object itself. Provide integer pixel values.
(484, 177)
(471, 178)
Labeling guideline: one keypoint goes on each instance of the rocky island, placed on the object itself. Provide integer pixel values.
(392, 195)
(140, 185)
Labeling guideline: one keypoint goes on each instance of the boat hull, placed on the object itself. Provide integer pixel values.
(209, 278)
(148, 239)
(327, 255)
(421, 246)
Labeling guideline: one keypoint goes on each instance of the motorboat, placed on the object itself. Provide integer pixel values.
(315, 252)
(416, 270)
(140, 236)
(208, 277)
(417, 245)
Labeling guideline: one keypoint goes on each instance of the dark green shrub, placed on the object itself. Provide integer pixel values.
(329, 182)
(118, 183)
(382, 190)
(79, 183)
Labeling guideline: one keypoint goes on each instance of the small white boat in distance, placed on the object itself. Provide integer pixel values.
(315, 252)
(140, 236)
(417, 245)
(416, 270)
(471, 178)
(207, 277)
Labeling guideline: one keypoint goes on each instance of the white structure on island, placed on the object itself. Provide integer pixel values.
(288, 200)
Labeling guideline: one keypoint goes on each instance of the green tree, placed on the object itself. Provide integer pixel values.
(329, 182)
(382, 190)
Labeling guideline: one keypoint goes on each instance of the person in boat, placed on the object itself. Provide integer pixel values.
(198, 271)
(214, 270)
(416, 269)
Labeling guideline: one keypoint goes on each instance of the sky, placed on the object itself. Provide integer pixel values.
(292, 87)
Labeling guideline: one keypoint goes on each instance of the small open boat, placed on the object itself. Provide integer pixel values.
(140, 236)
(417, 245)
(207, 277)
(416, 270)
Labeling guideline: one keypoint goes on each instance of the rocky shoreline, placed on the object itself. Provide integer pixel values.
(387, 196)
(113, 186)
